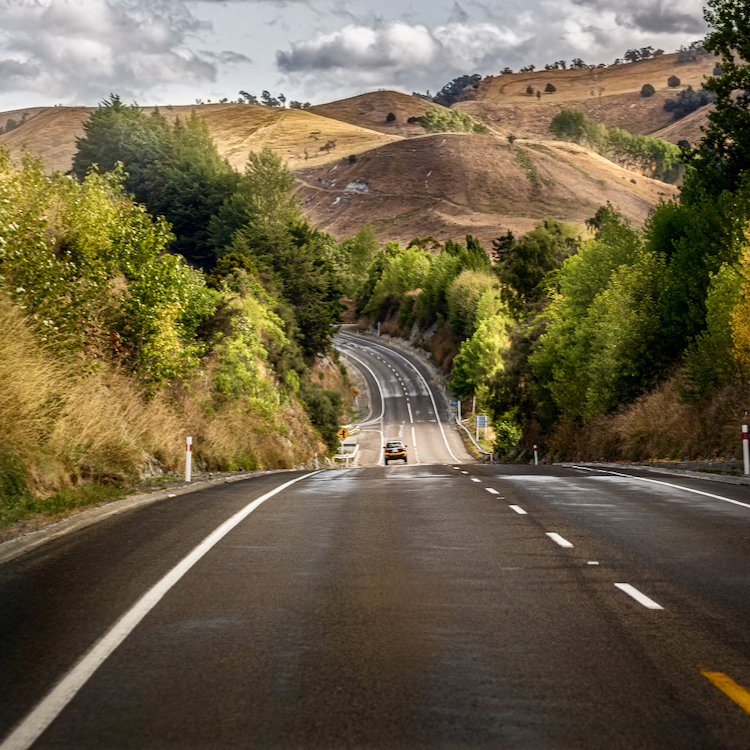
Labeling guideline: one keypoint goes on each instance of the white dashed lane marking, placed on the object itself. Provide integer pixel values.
(558, 539)
(518, 509)
(491, 491)
(638, 596)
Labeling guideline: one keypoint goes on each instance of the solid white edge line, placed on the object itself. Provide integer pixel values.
(666, 484)
(381, 459)
(30, 728)
(554, 537)
(489, 489)
(638, 596)
(429, 393)
(518, 509)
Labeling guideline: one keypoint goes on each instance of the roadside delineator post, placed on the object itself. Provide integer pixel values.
(188, 459)
(536, 457)
(745, 450)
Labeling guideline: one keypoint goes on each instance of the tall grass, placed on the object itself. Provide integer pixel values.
(65, 433)
(659, 425)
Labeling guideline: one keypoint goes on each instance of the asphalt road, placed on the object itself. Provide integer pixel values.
(405, 405)
(420, 606)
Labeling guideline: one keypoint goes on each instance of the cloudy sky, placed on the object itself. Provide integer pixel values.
(177, 51)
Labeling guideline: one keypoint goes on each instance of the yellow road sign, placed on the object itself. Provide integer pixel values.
(355, 393)
(343, 433)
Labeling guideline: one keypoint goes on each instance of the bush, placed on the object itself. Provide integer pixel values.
(647, 90)
(529, 90)
(391, 117)
(688, 101)
(324, 408)
(550, 89)
(673, 82)
(507, 436)
(453, 121)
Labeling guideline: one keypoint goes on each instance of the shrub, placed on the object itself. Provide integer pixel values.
(647, 90)
(550, 89)
(391, 117)
(673, 82)
(688, 101)
(324, 408)
(507, 436)
(529, 90)
(453, 121)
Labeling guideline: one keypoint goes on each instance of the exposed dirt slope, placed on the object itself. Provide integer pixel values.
(371, 110)
(450, 185)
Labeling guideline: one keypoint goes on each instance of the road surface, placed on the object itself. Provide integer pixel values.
(437, 605)
(404, 405)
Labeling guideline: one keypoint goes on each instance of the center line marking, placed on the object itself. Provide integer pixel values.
(739, 694)
(464, 472)
(474, 479)
(518, 509)
(638, 596)
(491, 491)
(559, 540)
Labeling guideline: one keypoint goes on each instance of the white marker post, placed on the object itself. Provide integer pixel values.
(536, 457)
(188, 459)
(745, 450)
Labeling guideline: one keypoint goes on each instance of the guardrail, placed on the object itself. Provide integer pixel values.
(347, 456)
(482, 451)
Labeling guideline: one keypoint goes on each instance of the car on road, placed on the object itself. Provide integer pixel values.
(395, 449)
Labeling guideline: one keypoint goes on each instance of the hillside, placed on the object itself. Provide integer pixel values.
(443, 185)
(371, 110)
(449, 185)
(608, 95)
(237, 129)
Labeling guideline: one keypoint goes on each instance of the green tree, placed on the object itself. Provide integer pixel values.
(725, 148)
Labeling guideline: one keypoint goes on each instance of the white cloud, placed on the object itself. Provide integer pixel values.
(81, 50)
(418, 56)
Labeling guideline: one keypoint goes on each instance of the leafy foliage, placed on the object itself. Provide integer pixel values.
(173, 169)
(451, 92)
(655, 158)
(453, 121)
(688, 101)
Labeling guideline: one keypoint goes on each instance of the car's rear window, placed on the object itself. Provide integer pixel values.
(394, 445)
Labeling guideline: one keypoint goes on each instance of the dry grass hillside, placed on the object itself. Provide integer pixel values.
(450, 185)
(687, 128)
(237, 129)
(408, 183)
(608, 95)
(371, 111)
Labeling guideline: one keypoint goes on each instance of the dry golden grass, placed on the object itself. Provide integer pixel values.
(452, 184)
(62, 430)
(657, 426)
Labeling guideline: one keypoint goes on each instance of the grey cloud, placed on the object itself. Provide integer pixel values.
(84, 49)
(458, 15)
(653, 16)
(227, 57)
(662, 21)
